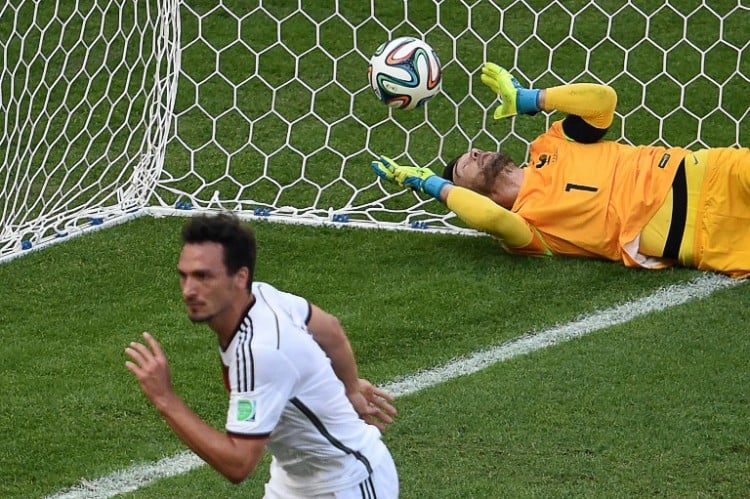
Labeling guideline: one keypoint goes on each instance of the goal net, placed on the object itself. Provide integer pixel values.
(117, 108)
(86, 94)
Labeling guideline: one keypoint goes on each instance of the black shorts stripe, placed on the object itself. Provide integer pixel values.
(372, 487)
(367, 489)
(679, 213)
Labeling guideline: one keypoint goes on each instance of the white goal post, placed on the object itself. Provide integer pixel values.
(87, 90)
(113, 109)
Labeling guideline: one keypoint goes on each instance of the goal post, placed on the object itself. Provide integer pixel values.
(86, 93)
(117, 108)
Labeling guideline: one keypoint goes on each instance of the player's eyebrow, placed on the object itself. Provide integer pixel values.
(194, 272)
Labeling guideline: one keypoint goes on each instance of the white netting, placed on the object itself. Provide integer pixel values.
(86, 93)
(272, 115)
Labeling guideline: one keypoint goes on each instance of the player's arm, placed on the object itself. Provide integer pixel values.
(481, 213)
(371, 403)
(234, 457)
(590, 106)
(330, 335)
(477, 211)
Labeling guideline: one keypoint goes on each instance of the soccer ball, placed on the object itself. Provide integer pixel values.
(405, 73)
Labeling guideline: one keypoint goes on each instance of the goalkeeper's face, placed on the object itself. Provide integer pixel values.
(480, 170)
(208, 290)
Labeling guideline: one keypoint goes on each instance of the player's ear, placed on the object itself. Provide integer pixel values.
(242, 278)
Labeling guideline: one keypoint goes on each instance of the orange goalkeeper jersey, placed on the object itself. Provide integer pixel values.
(593, 200)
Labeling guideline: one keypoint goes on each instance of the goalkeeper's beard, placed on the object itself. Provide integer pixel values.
(494, 169)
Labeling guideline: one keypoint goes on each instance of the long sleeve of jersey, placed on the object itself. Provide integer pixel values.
(590, 106)
(481, 213)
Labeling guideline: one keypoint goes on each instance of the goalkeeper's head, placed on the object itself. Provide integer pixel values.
(479, 170)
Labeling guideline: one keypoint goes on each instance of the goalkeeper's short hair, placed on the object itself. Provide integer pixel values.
(448, 170)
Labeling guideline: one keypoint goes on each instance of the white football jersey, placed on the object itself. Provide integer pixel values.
(281, 384)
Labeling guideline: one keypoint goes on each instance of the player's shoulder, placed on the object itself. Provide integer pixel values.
(554, 131)
(258, 285)
(271, 292)
(293, 305)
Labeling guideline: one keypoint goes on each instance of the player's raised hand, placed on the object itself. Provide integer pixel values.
(150, 367)
(384, 168)
(374, 405)
(515, 99)
(418, 179)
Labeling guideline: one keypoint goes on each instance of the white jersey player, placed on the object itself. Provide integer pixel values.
(291, 376)
(282, 386)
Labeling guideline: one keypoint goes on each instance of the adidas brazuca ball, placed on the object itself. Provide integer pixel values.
(405, 73)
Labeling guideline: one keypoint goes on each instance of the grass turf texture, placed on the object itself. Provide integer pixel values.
(655, 406)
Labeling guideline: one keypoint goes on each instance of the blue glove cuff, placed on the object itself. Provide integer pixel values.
(527, 101)
(433, 185)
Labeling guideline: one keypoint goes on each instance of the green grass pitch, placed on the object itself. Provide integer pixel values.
(656, 407)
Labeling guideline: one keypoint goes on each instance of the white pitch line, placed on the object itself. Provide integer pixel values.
(661, 299)
(132, 479)
(136, 477)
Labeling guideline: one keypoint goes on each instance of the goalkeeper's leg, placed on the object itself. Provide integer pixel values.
(722, 239)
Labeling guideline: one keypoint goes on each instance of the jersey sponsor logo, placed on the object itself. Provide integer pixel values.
(664, 160)
(246, 410)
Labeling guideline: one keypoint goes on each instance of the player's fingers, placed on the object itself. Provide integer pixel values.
(142, 350)
(384, 417)
(379, 392)
(388, 163)
(138, 353)
(386, 408)
(380, 169)
(133, 368)
(491, 70)
(155, 346)
(375, 422)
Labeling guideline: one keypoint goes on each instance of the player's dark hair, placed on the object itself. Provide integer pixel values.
(448, 170)
(238, 240)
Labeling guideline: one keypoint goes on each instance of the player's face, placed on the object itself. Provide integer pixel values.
(478, 169)
(207, 289)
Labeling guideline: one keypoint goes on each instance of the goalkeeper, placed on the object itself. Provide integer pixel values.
(578, 195)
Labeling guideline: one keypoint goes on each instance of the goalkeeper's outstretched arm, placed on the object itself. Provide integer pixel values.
(590, 106)
(481, 213)
(477, 211)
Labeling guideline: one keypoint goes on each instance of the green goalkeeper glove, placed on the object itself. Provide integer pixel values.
(515, 99)
(416, 178)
